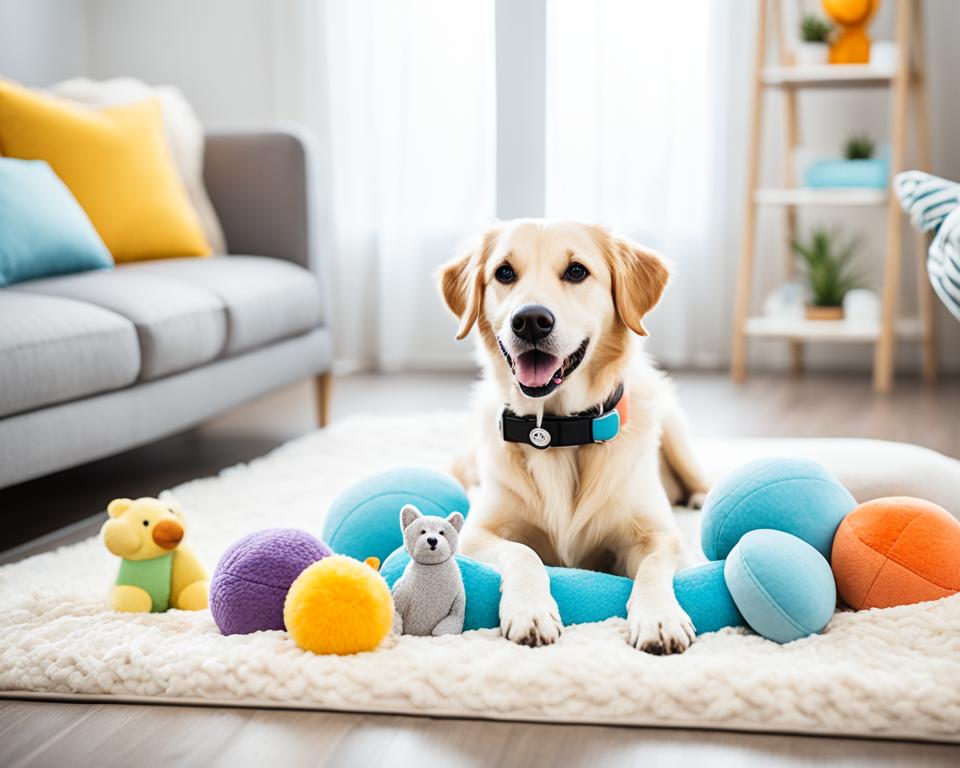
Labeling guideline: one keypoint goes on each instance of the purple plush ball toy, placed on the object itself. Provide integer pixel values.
(250, 583)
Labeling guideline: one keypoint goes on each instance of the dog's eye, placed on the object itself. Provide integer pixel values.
(442, 533)
(576, 273)
(146, 523)
(505, 274)
(422, 532)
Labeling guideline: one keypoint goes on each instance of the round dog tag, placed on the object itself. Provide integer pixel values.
(539, 437)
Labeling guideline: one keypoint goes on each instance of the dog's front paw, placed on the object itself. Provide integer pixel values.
(660, 630)
(697, 500)
(530, 621)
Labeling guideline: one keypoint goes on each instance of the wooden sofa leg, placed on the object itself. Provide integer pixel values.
(324, 390)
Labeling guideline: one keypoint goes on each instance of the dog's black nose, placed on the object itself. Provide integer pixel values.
(532, 322)
(432, 541)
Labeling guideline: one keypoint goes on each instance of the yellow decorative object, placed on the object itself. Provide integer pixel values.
(338, 605)
(157, 571)
(852, 43)
(116, 163)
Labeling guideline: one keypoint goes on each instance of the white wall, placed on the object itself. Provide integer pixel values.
(42, 41)
(521, 91)
(219, 52)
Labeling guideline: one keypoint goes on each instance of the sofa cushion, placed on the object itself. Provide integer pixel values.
(54, 349)
(180, 325)
(266, 299)
(117, 164)
(43, 230)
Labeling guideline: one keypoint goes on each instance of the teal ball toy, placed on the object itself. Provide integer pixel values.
(797, 496)
(364, 520)
(783, 586)
(588, 596)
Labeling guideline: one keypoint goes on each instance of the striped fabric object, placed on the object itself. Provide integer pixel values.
(934, 205)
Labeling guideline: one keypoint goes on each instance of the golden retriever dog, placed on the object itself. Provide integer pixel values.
(555, 305)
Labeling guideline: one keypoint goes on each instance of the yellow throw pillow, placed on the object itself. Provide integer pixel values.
(116, 163)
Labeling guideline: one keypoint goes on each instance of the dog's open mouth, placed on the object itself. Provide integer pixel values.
(539, 373)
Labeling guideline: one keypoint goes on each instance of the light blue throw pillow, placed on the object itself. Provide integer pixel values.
(43, 229)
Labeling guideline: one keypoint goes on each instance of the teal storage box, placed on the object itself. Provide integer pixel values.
(873, 173)
(43, 229)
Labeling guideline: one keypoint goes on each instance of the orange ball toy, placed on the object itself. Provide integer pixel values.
(896, 551)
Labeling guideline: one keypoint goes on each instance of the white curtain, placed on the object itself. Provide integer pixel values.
(644, 106)
(646, 110)
(411, 129)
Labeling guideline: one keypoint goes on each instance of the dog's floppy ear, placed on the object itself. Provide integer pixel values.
(408, 514)
(639, 277)
(461, 282)
(456, 520)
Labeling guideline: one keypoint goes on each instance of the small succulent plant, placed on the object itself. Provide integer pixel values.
(860, 147)
(827, 267)
(815, 29)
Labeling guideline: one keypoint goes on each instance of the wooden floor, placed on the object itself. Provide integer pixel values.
(57, 734)
(50, 733)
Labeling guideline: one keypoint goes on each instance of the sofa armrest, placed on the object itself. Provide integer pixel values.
(258, 183)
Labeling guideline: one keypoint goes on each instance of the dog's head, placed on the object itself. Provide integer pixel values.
(552, 299)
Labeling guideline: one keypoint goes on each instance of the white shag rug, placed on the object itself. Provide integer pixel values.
(891, 673)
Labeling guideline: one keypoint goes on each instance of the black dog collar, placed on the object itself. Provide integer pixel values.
(558, 431)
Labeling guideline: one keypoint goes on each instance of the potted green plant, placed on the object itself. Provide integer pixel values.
(859, 168)
(859, 147)
(828, 272)
(814, 46)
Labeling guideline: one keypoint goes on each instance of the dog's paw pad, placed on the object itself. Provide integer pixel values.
(669, 633)
(530, 625)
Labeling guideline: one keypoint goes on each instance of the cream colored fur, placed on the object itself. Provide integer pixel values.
(600, 506)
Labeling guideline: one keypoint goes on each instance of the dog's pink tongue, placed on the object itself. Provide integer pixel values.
(535, 369)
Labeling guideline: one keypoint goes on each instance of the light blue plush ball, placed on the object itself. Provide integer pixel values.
(783, 587)
(798, 496)
(588, 596)
(364, 520)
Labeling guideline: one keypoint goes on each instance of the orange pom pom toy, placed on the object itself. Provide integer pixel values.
(896, 551)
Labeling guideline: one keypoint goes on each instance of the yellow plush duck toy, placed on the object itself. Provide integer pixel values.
(852, 45)
(157, 571)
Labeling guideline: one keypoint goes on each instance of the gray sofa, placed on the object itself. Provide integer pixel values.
(99, 362)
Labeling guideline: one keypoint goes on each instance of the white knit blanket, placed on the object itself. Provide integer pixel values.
(885, 673)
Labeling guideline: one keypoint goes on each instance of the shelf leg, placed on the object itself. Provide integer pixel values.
(738, 358)
(883, 363)
(790, 142)
(921, 242)
(928, 313)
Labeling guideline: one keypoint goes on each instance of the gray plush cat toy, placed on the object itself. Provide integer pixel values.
(429, 597)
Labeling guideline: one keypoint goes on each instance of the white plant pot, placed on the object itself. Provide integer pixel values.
(812, 54)
(861, 306)
(883, 55)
